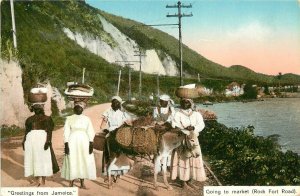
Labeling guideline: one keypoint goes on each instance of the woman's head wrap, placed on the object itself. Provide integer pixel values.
(167, 98)
(117, 98)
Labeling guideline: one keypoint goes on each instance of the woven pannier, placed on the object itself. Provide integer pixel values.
(99, 141)
(144, 141)
(187, 93)
(124, 136)
(37, 97)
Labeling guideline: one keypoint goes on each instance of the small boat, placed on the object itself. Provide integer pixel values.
(207, 103)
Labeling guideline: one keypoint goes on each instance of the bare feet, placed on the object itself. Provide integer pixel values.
(71, 183)
(82, 185)
(43, 180)
(189, 183)
(185, 186)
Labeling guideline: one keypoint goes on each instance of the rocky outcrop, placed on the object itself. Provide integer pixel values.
(123, 49)
(13, 111)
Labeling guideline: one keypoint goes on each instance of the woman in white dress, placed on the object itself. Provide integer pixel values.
(79, 161)
(39, 158)
(187, 169)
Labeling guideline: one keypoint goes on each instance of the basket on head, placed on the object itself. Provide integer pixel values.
(79, 92)
(187, 91)
(37, 95)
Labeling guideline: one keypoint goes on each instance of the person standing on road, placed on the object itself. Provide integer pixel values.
(79, 161)
(39, 158)
(187, 168)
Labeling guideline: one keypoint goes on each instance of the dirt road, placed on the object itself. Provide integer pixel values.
(136, 182)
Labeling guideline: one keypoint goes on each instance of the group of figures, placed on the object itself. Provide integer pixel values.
(79, 161)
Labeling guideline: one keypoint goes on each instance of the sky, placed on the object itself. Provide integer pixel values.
(262, 35)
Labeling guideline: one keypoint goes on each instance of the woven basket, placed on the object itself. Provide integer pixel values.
(99, 142)
(37, 97)
(187, 93)
(144, 141)
(124, 136)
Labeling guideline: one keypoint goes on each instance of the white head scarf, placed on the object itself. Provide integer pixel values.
(117, 98)
(167, 98)
(38, 103)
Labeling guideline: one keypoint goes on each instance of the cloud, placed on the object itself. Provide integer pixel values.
(253, 31)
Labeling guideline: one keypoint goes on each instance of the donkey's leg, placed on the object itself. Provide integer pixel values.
(164, 170)
(109, 172)
(156, 169)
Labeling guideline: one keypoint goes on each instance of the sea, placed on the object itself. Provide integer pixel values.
(279, 116)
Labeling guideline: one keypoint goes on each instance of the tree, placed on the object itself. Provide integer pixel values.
(250, 92)
(266, 90)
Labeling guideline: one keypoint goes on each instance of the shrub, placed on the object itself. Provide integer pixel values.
(241, 158)
(10, 131)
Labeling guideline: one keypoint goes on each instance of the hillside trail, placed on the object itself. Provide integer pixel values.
(139, 181)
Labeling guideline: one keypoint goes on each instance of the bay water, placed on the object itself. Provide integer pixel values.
(279, 116)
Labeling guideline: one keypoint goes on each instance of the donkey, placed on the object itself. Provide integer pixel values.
(168, 142)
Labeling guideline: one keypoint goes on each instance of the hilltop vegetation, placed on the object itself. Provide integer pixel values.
(45, 53)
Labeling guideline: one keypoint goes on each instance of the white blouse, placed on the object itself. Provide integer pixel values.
(115, 118)
(78, 123)
(164, 111)
(185, 118)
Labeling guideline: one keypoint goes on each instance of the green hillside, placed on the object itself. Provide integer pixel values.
(45, 53)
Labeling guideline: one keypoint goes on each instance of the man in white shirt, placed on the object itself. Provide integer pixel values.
(114, 117)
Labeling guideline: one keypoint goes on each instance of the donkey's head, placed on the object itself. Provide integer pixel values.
(193, 146)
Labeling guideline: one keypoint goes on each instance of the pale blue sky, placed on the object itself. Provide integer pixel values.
(228, 31)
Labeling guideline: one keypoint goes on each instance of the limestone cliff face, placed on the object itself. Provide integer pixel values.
(124, 50)
(14, 110)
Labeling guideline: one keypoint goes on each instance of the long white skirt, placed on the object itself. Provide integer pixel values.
(37, 161)
(79, 163)
(187, 168)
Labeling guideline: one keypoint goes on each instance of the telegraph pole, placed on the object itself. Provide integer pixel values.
(119, 80)
(128, 63)
(180, 15)
(129, 80)
(157, 83)
(13, 23)
(139, 53)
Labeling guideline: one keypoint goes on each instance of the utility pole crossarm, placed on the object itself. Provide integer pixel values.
(187, 15)
(172, 15)
(171, 6)
(186, 6)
